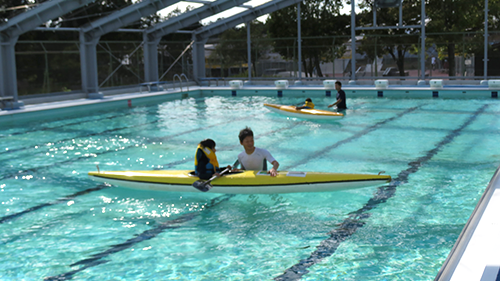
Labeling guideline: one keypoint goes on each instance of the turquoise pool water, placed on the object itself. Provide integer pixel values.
(57, 224)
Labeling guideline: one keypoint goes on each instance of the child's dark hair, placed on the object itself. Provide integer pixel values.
(309, 100)
(247, 132)
(338, 83)
(210, 143)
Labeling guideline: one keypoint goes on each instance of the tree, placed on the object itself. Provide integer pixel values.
(319, 19)
(232, 46)
(450, 19)
(395, 42)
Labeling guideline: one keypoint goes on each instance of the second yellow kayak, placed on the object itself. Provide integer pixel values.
(289, 110)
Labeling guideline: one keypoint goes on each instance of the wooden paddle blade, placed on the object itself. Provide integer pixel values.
(202, 186)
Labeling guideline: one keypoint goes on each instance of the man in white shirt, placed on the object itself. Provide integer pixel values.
(254, 158)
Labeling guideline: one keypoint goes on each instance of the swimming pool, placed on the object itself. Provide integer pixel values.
(57, 224)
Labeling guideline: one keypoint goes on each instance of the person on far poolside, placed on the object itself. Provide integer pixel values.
(308, 104)
(254, 158)
(205, 161)
(341, 99)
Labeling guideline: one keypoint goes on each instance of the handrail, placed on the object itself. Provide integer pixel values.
(180, 81)
(187, 81)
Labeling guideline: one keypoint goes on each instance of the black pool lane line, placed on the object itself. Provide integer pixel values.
(95, 260)
(16, 215)
(146, 235)
(102, 186)
(81, 136)
(353, 137)
(88, 134)
(94, 263)
(64, 125)
(356, 219)
(172, 164)
(58, 201)
(36, 169)
(127, 113)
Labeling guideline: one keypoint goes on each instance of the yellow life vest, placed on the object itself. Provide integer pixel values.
(210, 155)
(309, 104)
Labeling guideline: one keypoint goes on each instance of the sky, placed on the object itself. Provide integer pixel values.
(226, 14)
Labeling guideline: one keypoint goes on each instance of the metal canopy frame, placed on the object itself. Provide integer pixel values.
(153, 35)
(10, 32)
(422, 35)
(91, 33)
(200, 37)
(399, 26)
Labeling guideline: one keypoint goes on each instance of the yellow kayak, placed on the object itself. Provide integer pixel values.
(289, 110)
(242, 182)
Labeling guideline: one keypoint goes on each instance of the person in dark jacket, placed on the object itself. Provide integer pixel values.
(341, 99)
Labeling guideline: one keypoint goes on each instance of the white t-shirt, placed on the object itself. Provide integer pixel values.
(255, 161)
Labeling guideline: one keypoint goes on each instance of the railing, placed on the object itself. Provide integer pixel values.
(180, 81)
(187, 81)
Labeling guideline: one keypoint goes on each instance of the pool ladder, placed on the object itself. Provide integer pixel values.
(180, 81)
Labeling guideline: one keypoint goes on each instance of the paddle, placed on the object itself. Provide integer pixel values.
(205, 186)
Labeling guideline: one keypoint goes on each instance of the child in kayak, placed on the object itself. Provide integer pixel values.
(308, 104)
(205, 161)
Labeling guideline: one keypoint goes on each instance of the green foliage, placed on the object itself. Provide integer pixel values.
(320, 20)
(231, 49)
(395, 42)
(446, 22)
(449, 19)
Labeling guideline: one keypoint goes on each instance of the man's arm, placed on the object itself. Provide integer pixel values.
(335, 103)
(274, 169)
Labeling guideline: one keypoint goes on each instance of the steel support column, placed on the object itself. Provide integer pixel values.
(422, 41)
(152, 36)
(249, 52)
(299, 41)
(151, 57)
(199, 58)
(88, 61)
(8, 77)
(200, 37)
(353, 39)
(485, 59)
(18, 25)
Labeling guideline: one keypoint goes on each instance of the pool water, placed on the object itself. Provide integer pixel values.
(56, 224)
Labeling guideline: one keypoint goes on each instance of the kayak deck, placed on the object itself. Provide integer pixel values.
(291, 111)
(244, 182)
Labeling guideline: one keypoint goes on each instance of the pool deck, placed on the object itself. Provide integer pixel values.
(475, 255)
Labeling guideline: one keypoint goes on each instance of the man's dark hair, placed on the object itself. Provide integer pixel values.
(210, 143)
(247, 132)
(309, 100)
(338, 83)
